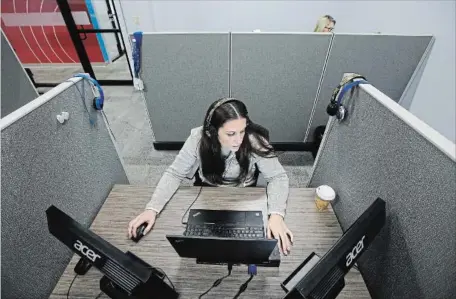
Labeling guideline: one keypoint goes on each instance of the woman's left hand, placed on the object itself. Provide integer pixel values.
(278, 230)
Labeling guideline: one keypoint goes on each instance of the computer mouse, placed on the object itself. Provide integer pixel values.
(139, 232)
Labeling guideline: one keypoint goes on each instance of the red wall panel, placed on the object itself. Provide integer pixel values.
(47, 44)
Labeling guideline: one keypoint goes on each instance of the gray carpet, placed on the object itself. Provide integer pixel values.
(128, 119)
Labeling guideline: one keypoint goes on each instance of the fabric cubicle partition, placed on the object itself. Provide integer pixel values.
(382, 150)
(72, 165)
(277, 76)
(387, 61)
(183, 74)
(286, 79)
(17, 88)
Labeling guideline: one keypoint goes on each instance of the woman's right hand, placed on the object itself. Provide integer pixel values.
(147, 216)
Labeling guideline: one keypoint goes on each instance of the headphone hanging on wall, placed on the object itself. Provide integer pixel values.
(208, 127)
(335, 107)
(97, 101)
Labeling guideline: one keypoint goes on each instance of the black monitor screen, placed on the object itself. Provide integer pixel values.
(115, 264)
(330, 270)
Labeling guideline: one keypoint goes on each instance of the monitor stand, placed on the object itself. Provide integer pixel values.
(329, 290)
(155, 287)
(210, 262)
(82, 266)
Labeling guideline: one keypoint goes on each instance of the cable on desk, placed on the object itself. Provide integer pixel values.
(99, 295)
(71, 284)
(243, 287)
(218, 281)
(252, 271)
(167, 277)
(183, 216)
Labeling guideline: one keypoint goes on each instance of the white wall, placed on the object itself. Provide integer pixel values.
(436, 106)
(435, 98)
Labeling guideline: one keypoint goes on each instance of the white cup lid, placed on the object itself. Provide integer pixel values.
(326, 193)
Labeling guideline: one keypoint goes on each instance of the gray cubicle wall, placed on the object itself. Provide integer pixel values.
(277, 75)
(286, 79)
(383, 151)
(387, 61)
(71, 165)
(410, 90)
(16, 89)
(183, 74)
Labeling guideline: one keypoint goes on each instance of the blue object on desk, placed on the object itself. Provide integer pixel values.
(252, 270)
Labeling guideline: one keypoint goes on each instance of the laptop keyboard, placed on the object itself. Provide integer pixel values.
(221, 231)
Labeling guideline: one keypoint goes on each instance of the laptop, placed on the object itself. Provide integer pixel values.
(225, 224)
(221, 236)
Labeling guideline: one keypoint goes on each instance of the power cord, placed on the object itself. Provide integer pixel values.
(183, 216)
(71, 284)
(99, 295)
(218, 281)
(166, 276)
(252, 270)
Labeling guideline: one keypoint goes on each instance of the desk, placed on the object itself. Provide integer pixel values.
(313, 231)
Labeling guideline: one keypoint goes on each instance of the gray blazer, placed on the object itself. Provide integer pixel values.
(187, 162)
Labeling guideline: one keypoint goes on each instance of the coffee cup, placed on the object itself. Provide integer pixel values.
(324, 195)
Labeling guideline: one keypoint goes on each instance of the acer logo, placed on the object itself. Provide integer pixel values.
(86, 251)
(351, 256)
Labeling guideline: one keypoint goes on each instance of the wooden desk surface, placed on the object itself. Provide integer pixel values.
(313, 231)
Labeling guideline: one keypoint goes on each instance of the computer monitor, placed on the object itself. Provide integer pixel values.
(125, 274)
(324, 278)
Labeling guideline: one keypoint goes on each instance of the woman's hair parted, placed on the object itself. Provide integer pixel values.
(212, 162)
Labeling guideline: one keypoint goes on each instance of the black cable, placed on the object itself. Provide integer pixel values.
(243, 287)
(71, 284)
(167, 277)
(99, 295)
(218, 281)
(183, 216)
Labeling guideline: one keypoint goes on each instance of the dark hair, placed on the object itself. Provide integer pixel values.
(212, 162)
(331, 19)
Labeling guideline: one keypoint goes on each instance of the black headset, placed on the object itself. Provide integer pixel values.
(209, 129)
(335, 107)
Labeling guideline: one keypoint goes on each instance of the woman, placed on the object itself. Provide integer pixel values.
(225, 151)
(325, 24)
